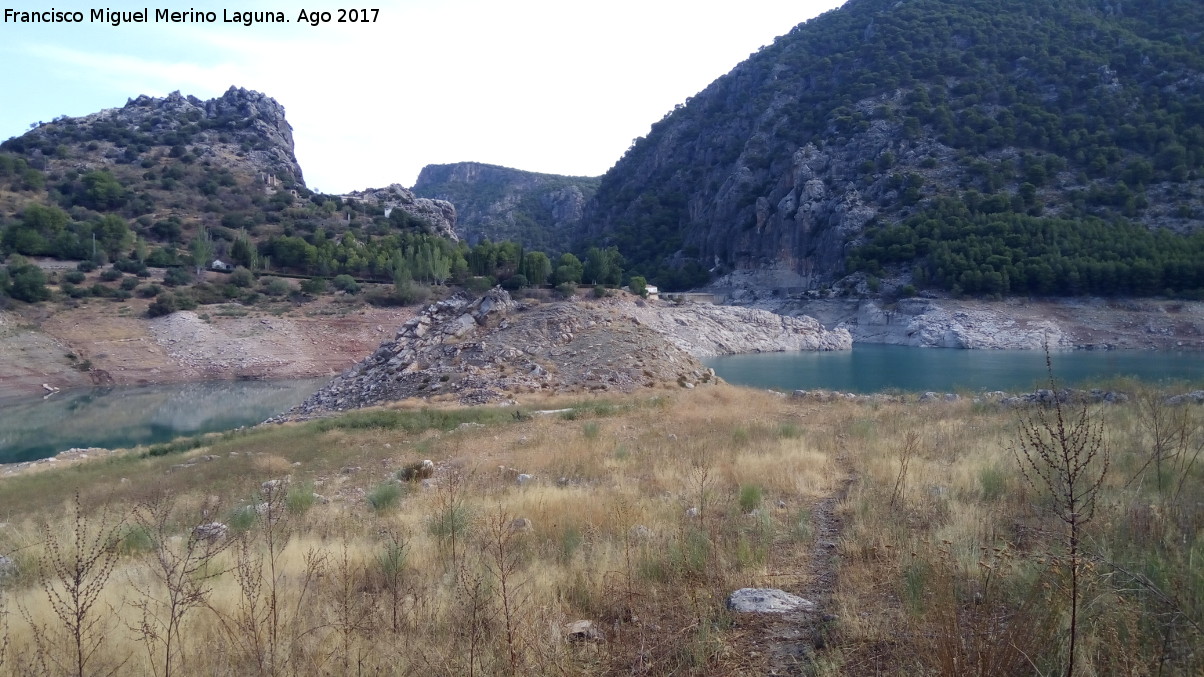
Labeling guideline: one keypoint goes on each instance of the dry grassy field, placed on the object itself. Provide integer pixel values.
(946, 538)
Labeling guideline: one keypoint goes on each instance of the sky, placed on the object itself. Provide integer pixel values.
(555, 87)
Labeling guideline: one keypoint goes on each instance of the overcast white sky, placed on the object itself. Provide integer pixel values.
(557, 87)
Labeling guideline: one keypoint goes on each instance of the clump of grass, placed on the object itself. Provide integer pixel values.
(300, 498)
(133, 539)
(241, 519)
(590, 430)
(993, 481)
(384, 496)
(751, 496)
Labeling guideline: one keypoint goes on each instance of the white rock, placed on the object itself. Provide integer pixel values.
(767, 601)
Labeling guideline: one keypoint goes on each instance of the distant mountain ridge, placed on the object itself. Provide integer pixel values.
(541, 211)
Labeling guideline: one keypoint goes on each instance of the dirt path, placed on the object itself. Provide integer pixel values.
(794, 639)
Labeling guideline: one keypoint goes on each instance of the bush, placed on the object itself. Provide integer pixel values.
(176, 277)
(566, 289)
(600, 292)
(148, 291)
(479, 285)
(514, 282)
(165, 304)
(130, 266)
(275, 286)
(74, 277)
(314, 285)
(241, 277)
(129, 283)
(85, 266)
(345, 283)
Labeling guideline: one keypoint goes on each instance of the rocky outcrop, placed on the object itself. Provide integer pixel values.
(241, 127)
(540, 211)
(438, 215)
(706, 330)
(487, 349)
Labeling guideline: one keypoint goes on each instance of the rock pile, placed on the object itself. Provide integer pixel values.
(483, 350)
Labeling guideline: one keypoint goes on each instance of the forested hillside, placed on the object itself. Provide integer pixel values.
(987, 146)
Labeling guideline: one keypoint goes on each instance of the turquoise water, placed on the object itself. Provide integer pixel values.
(871, 368)
(128, 416)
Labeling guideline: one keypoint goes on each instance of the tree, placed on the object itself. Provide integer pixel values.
(113, 235)
(569, 269)
(201, 249)
(536, 268)
(639, 286)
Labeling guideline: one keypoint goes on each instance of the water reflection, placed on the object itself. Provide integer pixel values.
(115, 417)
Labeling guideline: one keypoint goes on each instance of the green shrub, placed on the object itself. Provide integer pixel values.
(345, 283)
(165, 304)
(241, 277)
(384, 496)
(74, 277)
(149, 291)
(129, 283)
(274, 286)
(314, 285)
(174, 277)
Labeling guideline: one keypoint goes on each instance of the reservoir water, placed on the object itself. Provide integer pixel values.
(128, 416)
(871, 368)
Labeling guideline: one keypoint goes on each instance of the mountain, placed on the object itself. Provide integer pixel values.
(540, 211)
(158, 172)
(978, 146)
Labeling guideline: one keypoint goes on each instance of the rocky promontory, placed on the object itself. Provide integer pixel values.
(487, 349)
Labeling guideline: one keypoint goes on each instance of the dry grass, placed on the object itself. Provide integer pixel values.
(644, 513)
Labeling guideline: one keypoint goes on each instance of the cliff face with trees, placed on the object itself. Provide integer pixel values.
(984, 146)
(542, 211)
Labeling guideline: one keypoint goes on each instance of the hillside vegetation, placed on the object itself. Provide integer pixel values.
(911, 525)
(1041, 123)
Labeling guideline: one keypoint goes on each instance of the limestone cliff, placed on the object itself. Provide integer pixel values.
(540, 211)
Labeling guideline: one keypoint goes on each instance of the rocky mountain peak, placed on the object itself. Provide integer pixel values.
(242, 127)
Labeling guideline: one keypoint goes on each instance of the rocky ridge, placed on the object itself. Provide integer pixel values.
(241, 127)
(483, 350)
